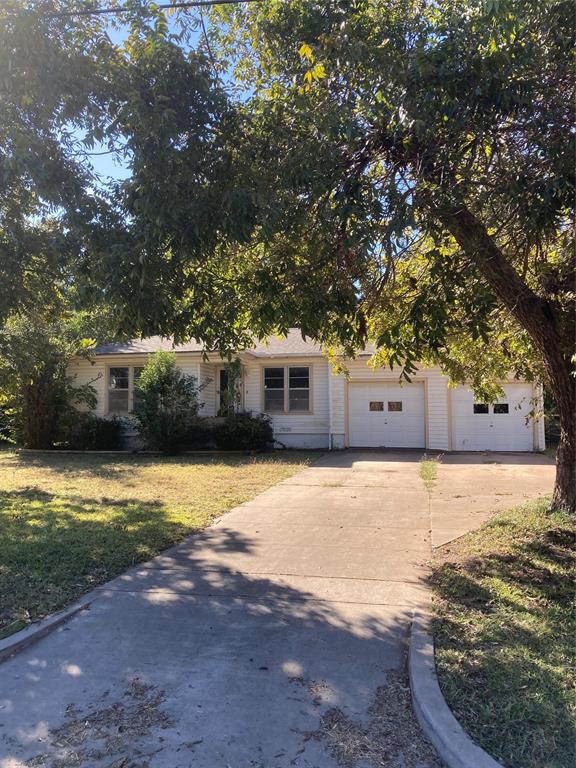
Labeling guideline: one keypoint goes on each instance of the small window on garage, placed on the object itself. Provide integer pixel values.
(501, 408)
(394, 406)
(480, 407)
(376, 405)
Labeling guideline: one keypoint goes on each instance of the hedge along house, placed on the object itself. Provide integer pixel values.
(310, 406)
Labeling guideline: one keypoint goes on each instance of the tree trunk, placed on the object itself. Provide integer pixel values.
(537, 316)
(565, 487)
(532, 312)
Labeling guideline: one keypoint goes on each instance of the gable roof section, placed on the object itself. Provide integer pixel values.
(277, 346)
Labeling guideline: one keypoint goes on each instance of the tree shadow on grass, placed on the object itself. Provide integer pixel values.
(55, 548)
(504, 645)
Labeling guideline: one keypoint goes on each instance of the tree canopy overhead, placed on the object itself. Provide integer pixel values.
(394, 170)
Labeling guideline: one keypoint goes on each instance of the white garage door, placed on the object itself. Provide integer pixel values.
(385, 415)
(502, 426)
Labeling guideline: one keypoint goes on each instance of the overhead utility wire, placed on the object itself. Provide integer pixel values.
(159, 6)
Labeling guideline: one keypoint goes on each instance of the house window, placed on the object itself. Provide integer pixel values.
(501, 408)
(118, 390)
(376, 405)
(287, 389)
(274, 390)
(395, 406)
(299, 389)
(121, 395)
(480, 407)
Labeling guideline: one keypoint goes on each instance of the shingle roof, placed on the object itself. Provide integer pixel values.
(292, 344)
(144, 346)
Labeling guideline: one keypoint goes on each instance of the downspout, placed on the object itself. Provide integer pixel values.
(329, 406)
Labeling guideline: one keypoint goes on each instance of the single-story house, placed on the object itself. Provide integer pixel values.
(291, 379)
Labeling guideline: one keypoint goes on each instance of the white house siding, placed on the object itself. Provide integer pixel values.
(438, 407)
(298, 430)
(207, 380)
(339, 392)
(91, 372)
(436, 397)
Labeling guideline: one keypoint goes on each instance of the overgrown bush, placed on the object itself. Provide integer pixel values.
(37, 395)
(92, 433)
(244, 432)
(167, 404)
(200, 436)
(5, 431)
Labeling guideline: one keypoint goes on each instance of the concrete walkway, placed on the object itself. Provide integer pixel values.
(273, 639)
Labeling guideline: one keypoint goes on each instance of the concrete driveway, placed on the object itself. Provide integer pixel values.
(276, 638)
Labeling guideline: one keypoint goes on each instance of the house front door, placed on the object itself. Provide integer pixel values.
(223, 402)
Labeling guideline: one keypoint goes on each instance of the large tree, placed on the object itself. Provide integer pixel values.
(395, 170)
(54, 95)
(392, 170)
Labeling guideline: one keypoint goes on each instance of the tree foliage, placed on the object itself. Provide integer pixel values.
(54, 94)
(399, 171)
(37, 393)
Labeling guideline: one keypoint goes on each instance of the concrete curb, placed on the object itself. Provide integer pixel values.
(15, 643)
(455, 748)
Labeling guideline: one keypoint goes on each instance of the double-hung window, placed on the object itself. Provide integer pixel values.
(287, 389)
(122, 395)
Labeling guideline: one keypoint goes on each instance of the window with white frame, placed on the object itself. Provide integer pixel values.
(122, 395)
(287, 389)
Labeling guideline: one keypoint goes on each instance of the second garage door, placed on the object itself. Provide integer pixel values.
(502, 426)
(387, 415)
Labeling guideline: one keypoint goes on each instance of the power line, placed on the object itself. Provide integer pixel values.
(160, 6)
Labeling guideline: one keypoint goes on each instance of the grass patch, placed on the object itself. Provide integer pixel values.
(504, 629)
(70, 522)
(429, 472)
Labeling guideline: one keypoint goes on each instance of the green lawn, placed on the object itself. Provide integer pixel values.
(69, 522)
(505, 636)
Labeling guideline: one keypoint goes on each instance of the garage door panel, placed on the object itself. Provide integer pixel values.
(386, 415)
(503, 426)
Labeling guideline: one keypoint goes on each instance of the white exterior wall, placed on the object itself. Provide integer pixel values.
(298, 430)
(91, 372)
(207, 380)
(339, 396)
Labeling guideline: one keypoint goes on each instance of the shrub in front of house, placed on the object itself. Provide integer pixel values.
(92, 433)
(244, 432)
(167, 404)
(200, 436)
